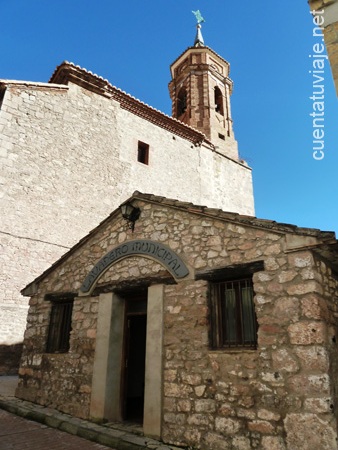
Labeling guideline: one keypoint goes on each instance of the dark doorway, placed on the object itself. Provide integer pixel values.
(134, 358)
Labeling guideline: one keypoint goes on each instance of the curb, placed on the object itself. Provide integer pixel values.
(104, 435)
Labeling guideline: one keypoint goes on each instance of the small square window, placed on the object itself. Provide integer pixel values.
(143, 153)
(233, 317)
(60, 326)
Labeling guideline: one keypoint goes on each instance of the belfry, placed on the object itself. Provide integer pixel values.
(200, 91)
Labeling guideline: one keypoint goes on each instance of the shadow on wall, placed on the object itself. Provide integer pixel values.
(10, 358)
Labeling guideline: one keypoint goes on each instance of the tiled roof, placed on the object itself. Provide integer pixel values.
(327, 246)
(232, 216)
(67, 71)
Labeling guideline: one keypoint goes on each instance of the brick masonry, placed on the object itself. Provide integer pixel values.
(280, 396)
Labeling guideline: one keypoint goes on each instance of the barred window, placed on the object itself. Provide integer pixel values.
(60, 326)
(233, 317)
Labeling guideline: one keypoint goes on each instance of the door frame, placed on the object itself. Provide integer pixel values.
(128, 315)
(107, 369)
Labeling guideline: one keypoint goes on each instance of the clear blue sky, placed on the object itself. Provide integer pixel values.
(132, 43)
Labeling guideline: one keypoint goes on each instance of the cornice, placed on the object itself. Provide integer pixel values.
(70, 73)
(200, 50)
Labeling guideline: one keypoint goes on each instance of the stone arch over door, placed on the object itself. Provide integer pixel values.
(142, 247)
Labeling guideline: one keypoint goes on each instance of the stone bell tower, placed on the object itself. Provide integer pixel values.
(200, 91)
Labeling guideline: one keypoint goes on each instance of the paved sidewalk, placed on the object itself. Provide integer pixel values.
(116, 436)
(17, 433)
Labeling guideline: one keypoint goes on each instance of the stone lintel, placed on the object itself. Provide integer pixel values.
(230, 272)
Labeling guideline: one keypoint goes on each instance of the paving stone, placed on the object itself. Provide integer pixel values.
(35, 417)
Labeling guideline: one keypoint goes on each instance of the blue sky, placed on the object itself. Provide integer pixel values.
(133, 43)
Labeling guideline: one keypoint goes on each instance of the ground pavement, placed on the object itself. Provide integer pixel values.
(27, 426)
(17, 433)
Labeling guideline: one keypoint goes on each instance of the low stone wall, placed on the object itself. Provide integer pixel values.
(10, 359)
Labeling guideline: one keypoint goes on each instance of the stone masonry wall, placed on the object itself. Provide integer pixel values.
(329, 312)
(61, 381)
(68, 157)
(278, 397)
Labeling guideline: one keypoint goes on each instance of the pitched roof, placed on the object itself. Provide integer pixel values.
(324, 243)
(69, 72)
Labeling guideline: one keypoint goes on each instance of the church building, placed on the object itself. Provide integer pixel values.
(180, 312)
(73, 149)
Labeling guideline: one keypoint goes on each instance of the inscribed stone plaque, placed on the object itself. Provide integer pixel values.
(155, 250)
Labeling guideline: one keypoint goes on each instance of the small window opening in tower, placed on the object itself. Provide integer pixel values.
(219, 101)
(181, 102)
(143, 153)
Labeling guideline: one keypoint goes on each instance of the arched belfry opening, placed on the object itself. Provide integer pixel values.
(181, 104)
(219, 108)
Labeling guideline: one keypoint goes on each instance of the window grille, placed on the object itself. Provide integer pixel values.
(234, 322)
(60, 326)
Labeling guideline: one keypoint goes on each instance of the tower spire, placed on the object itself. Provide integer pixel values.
(199, 41)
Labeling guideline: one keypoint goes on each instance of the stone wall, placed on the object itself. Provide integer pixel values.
(248, 399)
(61, 381)
(68, 157)
(280, 396)
(328, 311)
(10, 356)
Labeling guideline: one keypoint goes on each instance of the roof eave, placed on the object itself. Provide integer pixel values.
(323, 243)
(69, 73)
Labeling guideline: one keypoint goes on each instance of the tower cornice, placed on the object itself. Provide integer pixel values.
(204, 49)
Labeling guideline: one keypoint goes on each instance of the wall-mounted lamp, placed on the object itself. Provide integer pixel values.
(130, 213)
